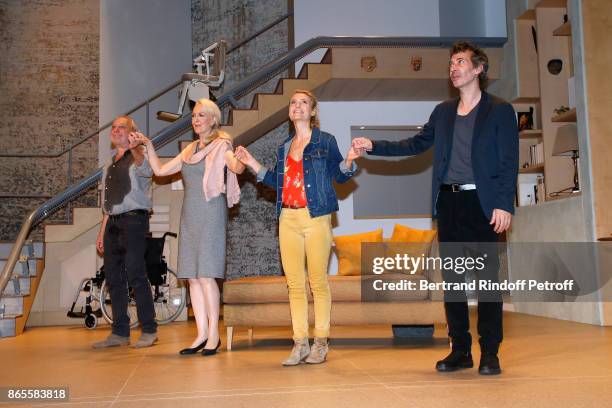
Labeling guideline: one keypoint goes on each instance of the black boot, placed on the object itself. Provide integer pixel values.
(456, 360)
(489, 364)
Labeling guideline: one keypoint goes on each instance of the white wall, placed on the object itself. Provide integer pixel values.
(337, 119)
(495, 18)
(465, 18)
(472, 18)
(145, 45)
(365, 17)
(313, 18)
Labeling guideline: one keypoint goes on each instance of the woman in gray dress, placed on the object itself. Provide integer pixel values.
(209, 191)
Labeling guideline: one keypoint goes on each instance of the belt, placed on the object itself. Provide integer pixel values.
(455, 188)
(128, 214)
(293, 207)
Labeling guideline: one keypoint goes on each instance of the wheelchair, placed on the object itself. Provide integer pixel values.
(169, 296)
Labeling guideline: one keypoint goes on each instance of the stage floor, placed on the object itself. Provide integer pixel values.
(545, 362)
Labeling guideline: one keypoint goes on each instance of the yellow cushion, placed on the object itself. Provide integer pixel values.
(348, 249)
(413, 242)
(402, 233)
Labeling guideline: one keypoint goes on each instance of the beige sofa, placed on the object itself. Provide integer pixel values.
(263, 301)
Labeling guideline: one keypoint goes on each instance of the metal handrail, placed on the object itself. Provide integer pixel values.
(183, 124)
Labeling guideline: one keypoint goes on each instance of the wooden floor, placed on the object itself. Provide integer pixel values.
(546, 363)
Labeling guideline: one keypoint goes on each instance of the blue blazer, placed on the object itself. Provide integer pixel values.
(494, 150)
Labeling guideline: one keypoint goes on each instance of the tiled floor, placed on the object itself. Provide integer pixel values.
(546, 363)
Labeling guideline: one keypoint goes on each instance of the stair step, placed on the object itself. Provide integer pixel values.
(9, 316)
(7, 325)
(24, 287)
(20, 269)
(6, 247)
(12, 305)
(12, 295)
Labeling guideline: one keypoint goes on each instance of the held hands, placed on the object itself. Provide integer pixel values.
(242, 154)
(500, 220)
(137, 139)
(351, 155)
(361, 145)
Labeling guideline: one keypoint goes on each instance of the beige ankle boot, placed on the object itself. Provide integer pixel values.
(319, 350)
(301, 349)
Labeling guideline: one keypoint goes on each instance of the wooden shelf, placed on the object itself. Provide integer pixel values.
(565, 30)
(562, 196)
(569, 116)
(532, 169)
(527, 15)
(530, 134)
(525, 100)
(552, 4)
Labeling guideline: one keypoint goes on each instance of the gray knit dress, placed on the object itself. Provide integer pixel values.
(203, 228)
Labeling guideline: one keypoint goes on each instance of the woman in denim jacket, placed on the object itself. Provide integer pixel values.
(307, 164)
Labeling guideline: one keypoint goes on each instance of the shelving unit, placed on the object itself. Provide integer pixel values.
(541, 35)
(532, 169)
(530, 134)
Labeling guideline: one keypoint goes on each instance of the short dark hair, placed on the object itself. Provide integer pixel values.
(479, 58)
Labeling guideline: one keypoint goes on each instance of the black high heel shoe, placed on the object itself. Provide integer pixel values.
(211, 352)
(193, 350)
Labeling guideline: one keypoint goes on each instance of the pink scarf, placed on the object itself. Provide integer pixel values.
(212, 182)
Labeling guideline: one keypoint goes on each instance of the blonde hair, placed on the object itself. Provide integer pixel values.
(132, 127)
(211, 108)
(314, 119)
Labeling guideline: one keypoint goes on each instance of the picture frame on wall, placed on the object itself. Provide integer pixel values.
(525, 120)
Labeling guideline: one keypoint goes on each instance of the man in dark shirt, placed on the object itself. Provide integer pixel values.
(475, 168)
(126, 190)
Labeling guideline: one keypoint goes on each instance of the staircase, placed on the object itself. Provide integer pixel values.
(268, 110)
(17, 299)
(343, 77)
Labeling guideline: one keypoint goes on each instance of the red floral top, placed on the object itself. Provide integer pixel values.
(294, 194)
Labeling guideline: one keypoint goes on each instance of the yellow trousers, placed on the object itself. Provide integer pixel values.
(306, 241)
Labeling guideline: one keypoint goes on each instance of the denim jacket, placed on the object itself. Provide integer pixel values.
(322, 163)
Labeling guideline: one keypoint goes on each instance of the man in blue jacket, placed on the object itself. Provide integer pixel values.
(475, 140)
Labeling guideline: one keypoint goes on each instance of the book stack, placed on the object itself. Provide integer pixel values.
(536, 154)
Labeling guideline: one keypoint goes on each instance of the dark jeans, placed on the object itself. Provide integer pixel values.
(124, 264)
(461, 219)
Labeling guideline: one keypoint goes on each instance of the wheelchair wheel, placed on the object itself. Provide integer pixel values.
(91, 321)
(169, 298)
(107, 310)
